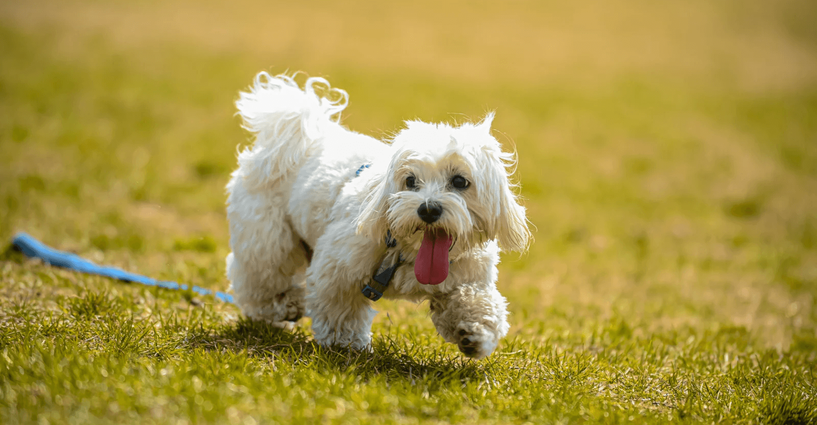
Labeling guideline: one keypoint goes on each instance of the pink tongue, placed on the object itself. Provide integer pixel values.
(431, 265)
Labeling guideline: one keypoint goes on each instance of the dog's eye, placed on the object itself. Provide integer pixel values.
(411, 182)
(459, 182)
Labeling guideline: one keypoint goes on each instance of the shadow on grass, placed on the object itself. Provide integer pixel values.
(388, 356)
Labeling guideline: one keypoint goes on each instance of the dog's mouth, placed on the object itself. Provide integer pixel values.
(431, 265)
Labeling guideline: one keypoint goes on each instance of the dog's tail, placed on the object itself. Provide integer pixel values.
(285, 120)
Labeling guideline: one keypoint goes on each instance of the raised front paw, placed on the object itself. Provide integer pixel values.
(475, 340)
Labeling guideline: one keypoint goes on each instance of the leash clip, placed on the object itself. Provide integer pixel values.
(381, 279)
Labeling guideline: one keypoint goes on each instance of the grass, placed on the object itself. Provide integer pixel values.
(668, 159)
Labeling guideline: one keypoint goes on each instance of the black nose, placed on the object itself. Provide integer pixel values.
(430, 211)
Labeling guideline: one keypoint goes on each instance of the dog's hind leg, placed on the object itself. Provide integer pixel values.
(267, 263)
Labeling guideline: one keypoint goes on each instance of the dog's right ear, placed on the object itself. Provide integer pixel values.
(372, 221)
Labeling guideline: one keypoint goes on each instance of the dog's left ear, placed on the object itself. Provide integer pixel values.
(507, 223)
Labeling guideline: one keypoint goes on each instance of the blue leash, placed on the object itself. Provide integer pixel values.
(35, 249)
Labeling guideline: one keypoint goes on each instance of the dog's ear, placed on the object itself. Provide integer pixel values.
(512, 228)
(372, 220)
(506, 222)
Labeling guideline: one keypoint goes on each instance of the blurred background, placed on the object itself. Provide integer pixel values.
(667, 150)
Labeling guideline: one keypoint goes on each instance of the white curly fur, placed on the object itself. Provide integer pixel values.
(297, 186)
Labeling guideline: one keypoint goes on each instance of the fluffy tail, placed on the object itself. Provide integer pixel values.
(285, 121)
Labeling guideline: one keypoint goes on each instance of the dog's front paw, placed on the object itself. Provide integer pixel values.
(347, 341)
(347, 347)
(475, 340)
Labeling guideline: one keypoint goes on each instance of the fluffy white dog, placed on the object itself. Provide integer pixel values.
(316, 211)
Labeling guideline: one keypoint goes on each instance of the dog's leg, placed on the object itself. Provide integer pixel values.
(266, 265)
(472, 316)
(341, 315)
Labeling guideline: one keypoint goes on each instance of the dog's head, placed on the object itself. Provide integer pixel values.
(444, 190)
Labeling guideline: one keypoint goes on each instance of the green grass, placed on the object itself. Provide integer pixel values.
(668, 160)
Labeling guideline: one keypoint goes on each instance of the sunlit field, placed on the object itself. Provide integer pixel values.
(667, 158)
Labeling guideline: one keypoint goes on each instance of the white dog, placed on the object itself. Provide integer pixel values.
(316, 211)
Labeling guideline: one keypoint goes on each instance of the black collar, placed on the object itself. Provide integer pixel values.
(380, 281)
